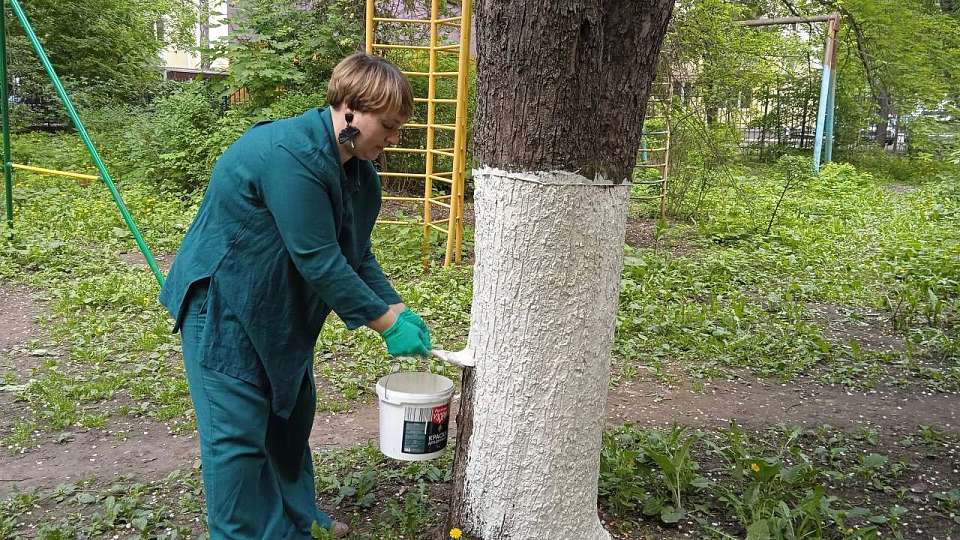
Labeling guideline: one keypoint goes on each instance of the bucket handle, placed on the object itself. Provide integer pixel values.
(386, 393)
(462, 358)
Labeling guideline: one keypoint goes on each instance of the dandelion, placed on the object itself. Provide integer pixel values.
(455, 533)
(755, 467)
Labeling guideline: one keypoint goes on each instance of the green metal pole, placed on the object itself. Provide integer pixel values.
(5, 112)
(75, 118)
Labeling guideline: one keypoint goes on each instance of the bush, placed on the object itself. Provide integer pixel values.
(900, 168)
(184, 134)
(173, 146)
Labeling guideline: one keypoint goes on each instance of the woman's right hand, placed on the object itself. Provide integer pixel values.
(407, 336)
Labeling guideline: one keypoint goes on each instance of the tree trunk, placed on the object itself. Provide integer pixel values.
(204, 42)
(883, 118)
(562, 90)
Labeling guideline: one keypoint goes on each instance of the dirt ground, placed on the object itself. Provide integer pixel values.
(147, 449)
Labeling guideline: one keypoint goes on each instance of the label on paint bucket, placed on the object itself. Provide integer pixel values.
(425, 429)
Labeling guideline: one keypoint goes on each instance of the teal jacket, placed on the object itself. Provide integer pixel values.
(283, 237)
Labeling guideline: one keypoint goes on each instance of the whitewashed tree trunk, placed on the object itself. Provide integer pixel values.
(546, 283)
(562, 85)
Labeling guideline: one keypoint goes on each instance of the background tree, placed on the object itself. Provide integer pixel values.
(562, 89)
(108, 48)
(284, 46)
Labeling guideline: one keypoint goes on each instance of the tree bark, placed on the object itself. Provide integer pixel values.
(204, 41)
(562, 90)
(563, 84)
(885, 109)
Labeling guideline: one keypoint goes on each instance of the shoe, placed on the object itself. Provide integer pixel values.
(340, 529)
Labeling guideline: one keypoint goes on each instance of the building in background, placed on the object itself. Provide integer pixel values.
(181, 65)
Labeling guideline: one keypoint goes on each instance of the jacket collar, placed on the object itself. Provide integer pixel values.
(351, 182)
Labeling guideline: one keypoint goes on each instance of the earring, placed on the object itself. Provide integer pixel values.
(349, 133)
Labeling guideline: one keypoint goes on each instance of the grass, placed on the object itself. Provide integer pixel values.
(743, 300)
(784, 482)
(738, 300)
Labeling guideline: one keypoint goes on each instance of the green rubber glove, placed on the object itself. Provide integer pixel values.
(406, 338)
(420, 323)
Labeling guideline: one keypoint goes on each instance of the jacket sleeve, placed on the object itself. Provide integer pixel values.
(373, 276)
(300, 205)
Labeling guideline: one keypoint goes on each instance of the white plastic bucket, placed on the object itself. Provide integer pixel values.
(414, 415)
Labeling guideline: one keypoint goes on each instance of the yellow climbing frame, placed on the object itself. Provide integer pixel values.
(443, 165)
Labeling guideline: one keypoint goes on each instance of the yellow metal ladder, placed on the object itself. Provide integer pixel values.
(444, 157)
(654, 153)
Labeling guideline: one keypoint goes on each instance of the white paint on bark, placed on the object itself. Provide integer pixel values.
(549, 254)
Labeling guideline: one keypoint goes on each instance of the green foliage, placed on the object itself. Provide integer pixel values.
(288, 48)
(104, 48)
(177, 144)
(650, 471)
(121, 507)
(783, 483)
(410, 517)
(738, 295)
(357, 487)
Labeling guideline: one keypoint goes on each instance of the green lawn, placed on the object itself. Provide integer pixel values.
(719, 296)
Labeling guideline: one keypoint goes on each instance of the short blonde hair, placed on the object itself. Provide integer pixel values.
(367, 83)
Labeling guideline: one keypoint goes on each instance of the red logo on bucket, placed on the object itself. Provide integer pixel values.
(440, 414)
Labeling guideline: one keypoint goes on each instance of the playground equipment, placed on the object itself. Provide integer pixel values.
(9, 165)
(823, 140)
(444, 160)
(766, 118)
(655, 143)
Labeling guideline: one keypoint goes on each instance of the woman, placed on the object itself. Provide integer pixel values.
(281, 239)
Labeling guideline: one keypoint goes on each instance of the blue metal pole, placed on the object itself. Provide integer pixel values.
(821, 117)
(828, 130)
(829, 66)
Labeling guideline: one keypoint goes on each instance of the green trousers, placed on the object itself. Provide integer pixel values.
(257, 469)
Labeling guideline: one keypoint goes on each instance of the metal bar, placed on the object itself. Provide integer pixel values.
(411, 21)
(664, 192)
(53, 172)
(5, 113)
(824, 95)
(431, 131)
(427, 74)
(828, 130)
(75, 118)
(444, 230)
(447, 48)
(416, 150)
(397, 222)
(455, 252)
(785, 20)
(441, 179)
(438, 203)
(448, 127)
(435, 100)
(369, 29)
(402, 175)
